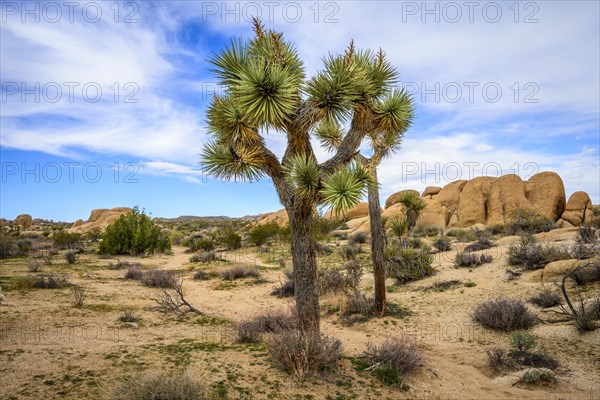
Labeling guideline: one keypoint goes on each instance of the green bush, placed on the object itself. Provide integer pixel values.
(522, 341)
(134, 233)
(411, 264)
(261, 234)
(528, 221)
(65, 240)
(203, 243)
(232, 240)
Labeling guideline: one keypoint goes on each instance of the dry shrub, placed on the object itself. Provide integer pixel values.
(546, 298)
(71, 256)
(468, 259)
(157, 278)
(286, 288)
(201, 275)
(128, 316)
(499, 359)
(531, 255)
(134, 272)
(349, 251)
(357, 303)
(586, 235)
(160, 386)
(239, 272)
(504, 314)
(204, 257)
(78, 296)
(401, 354)
(358, 238)
(443, 243)
(484, 242)
(587, 275)
(120, 264)
(410, 264)
(252, 330)
(304, 353)
(51, 282)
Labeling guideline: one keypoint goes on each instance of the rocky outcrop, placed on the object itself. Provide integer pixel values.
(393, 199)
(99, 220)
(546, 193)
(431, 191)
(491, 200)
(280, 217)
(578, 210)
(24, 221)
(358, 211)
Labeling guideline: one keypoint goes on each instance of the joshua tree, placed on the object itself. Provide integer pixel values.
(265, 89)
(384, 143)
(414, 205)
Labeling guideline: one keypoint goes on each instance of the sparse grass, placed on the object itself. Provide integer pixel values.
(546, 298)
(128, 316)
(160, 386)
(499, 359)
(78, 296)
(586, 235)
(469, 260)
(239, 272)
(304, 353)
(462, 235)
(504, 314)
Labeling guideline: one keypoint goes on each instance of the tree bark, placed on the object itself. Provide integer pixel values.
(377, 245)
(305, 265)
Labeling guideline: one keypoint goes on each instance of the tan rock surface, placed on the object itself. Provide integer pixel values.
(546, 193)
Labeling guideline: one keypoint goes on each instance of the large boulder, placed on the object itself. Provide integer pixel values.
(358, 211)
(472, 202)
(575, 211)
(24, 221)
(99, 220)
(434, 214)
(546, 194)
(555, 270)
(431, 191)
(393, 199)
(449, 196)
(507, 194)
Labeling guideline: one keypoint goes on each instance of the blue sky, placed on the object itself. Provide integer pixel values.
(112, 112)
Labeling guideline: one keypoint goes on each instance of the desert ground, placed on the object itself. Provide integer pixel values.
(53, 350)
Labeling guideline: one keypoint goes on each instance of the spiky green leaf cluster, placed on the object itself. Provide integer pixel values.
(344, 189)
(225, 162)
(302, 172)
(329, 133)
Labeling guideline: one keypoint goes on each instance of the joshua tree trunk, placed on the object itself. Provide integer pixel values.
(377, 245)
(305, 264)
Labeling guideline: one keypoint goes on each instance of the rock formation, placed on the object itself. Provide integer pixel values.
(24, 221)
(99, 220)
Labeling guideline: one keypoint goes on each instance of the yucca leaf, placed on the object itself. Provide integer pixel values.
(329, 134)
(225, 162)
(302, 172)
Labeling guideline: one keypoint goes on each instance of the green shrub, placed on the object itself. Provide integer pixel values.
(134, 233)
(260, 235)
(197, 243)
(232, 240)
(539, 374)
(399, 227)
(65, 240)
(522, 341)
(528, 221)
(411, 264)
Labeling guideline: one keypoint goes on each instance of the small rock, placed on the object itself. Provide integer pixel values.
(133, 325)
